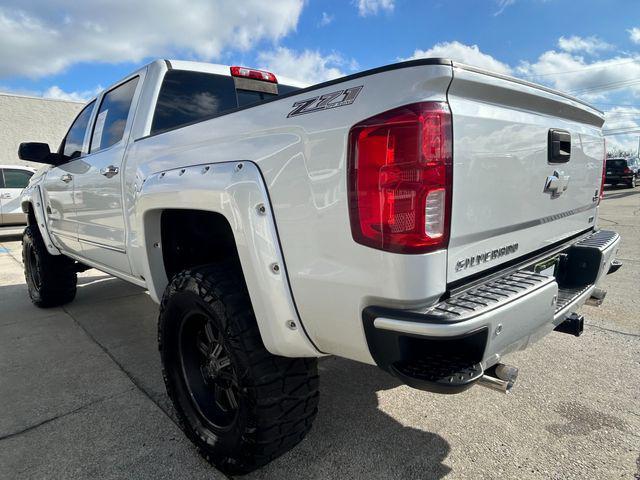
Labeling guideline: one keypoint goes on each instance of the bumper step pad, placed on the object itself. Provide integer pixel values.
(439, 372)
(568, 295)
(486, 296)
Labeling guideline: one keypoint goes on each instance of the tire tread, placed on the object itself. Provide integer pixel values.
(58, 272)
(284, 391)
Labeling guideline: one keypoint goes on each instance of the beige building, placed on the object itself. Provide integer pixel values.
(32, 119)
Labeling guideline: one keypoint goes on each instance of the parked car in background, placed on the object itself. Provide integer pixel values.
(13, 179)
(622, 170)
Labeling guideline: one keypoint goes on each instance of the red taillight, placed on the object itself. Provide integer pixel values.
(400, 174)
(253, 73)
(627, 170)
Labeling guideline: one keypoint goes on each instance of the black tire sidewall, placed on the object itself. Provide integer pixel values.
(29, 247)
(58, 277)
(277, 396)
(228, 441)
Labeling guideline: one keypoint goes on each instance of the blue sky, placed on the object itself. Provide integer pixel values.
(590, 48)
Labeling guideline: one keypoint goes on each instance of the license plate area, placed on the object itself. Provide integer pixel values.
(547, 267)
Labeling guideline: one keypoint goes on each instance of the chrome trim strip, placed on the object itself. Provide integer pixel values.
(476, 237)
(55, 232)
(106, 247)
(107, 270)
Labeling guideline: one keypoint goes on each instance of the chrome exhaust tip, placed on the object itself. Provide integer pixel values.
(500, 377)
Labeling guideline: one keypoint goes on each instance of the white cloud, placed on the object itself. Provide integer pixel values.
(469, 54)
(566, 71)
(589, 80)
(610, 79)
(56, 93)
(634, 34)
(308, 66)
(326, 19)
(621, 119)
(588, 45)
(44, 37)
(372, 7)
(502, 5)
(76, 96)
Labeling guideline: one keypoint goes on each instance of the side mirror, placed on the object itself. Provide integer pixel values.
(38, 152)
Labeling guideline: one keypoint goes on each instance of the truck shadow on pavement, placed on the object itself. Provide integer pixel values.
(10, 237)
(351, 438)
(610, 195)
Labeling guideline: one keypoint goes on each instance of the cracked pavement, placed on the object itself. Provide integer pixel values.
(81, 395)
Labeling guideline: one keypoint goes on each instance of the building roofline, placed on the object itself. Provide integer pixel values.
(10, 94)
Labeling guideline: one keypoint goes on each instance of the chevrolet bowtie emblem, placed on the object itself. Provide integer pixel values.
(556, 184)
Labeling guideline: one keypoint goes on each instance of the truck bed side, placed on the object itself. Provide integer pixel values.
(303, 161)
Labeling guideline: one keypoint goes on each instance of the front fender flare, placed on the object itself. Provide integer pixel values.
(32, 197)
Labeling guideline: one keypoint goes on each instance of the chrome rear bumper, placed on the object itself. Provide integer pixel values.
(505, 314)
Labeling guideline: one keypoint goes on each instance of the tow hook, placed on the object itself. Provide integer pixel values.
(596, 298)
(500, 377)
(573, 325)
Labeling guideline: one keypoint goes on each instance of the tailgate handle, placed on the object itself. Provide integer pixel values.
(559, 146)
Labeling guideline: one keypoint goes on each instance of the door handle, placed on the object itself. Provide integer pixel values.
(66, 178)
(5, 195)
(110, 171)
(559, 146)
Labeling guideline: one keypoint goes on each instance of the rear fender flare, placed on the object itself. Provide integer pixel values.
(237, 191)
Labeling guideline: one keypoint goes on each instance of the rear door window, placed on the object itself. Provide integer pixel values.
(112, 116)
(187, 97)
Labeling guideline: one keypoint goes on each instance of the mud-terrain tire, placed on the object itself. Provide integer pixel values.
(51, 279)
(239, 404)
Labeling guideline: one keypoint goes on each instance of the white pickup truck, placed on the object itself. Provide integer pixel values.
(427, 217)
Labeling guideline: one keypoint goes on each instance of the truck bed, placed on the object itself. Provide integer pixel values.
(500, 167)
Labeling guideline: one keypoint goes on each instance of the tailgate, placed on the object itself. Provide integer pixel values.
(510, 197)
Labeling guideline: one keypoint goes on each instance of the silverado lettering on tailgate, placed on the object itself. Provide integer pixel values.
(485, 257)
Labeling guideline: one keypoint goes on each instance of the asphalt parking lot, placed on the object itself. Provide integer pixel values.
(81, 395)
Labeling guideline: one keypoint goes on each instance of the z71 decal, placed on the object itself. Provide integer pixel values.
(339, 98)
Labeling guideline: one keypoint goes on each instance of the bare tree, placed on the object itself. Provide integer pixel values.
(616, 152)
